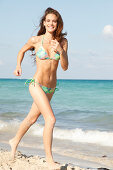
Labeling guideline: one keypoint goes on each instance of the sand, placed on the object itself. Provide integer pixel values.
(24, 162)
(71, 156)
(27, 159)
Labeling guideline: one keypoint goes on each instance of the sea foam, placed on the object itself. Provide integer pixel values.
(104, 138)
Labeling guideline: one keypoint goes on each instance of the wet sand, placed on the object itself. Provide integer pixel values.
(31, 158)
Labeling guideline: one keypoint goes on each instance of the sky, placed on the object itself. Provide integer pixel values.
(89, 27)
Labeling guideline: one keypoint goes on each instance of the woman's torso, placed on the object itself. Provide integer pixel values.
(46, 66)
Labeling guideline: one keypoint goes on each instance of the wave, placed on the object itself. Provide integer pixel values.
(11, 115)
(104, 138)
(84, 111)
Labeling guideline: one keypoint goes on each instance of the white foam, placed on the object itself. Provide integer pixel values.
(90, 136)
(2, 124)
(11, 125)
(37, 129)
(78, 135)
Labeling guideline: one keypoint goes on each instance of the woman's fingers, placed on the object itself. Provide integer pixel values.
(55, 45)
(18, 72)
(53, 49)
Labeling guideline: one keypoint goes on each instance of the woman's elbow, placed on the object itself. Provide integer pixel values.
(20, 52)
(65, 67)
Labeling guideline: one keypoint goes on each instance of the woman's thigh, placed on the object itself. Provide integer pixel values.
(41, 104)
(34, 111)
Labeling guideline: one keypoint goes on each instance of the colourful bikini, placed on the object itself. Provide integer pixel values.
(42, 55)
(44, 88)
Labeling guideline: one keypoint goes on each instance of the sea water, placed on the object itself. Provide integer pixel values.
(83, 110)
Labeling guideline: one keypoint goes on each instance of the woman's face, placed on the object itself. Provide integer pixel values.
(50, 23)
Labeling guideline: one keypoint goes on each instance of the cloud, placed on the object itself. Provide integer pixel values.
(108, 31)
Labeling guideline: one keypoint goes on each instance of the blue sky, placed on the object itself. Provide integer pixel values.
(89, 24)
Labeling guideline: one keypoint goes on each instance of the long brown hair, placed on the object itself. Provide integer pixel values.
(58, 35)
(58, 32)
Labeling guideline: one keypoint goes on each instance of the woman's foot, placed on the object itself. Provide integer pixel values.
(53, 165)
(13, 148)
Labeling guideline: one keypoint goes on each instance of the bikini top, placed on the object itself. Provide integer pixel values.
(42, 54)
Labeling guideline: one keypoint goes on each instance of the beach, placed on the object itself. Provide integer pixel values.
(30, 155)
(28, 159)
(83, 133)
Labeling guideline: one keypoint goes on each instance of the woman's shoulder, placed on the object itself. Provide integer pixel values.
(35, 39)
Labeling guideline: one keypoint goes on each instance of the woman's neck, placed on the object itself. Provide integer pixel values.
(48, 36)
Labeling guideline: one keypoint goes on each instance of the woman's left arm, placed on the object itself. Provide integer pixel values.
(63, 54)
(62, 49)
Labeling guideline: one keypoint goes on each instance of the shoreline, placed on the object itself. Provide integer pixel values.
(31, 162)
(25, 155)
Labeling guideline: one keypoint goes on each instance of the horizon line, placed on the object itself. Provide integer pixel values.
(60, 79)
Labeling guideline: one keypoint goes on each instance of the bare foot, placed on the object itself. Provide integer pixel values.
(13, 148)
(53, 166)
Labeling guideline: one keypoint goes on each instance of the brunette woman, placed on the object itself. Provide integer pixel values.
(50, 47)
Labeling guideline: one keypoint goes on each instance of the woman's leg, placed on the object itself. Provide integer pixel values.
(25, 125)
(43, 104)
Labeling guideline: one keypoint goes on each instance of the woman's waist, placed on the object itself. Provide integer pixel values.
(45, 80)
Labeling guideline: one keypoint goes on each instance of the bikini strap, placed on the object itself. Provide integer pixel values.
(42, 39)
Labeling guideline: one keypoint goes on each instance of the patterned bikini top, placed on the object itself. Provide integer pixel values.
(42, 54)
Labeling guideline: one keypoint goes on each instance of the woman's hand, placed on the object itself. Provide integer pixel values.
(18, 71)
(56, 46)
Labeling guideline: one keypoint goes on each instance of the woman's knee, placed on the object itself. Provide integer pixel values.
(50, 121)
(31, 120)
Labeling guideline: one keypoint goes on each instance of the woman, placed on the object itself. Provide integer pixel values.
(50, 46)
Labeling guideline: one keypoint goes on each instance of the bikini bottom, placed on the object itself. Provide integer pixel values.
(44, 88)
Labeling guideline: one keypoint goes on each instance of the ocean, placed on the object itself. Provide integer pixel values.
(83, 110)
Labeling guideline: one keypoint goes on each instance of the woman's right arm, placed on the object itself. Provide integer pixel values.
(30, 44)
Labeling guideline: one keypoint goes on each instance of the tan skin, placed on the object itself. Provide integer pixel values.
(45, 75)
